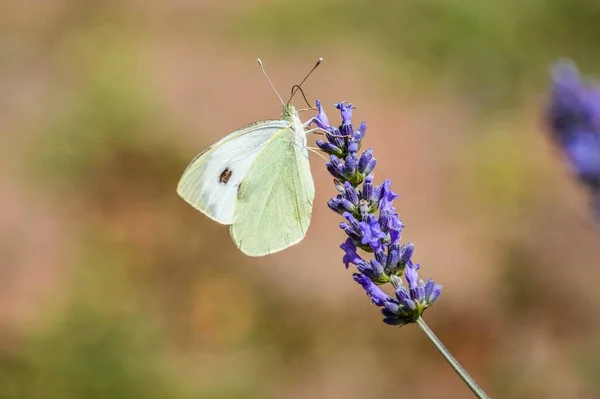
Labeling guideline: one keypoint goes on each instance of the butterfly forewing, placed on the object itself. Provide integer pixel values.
(211, 181)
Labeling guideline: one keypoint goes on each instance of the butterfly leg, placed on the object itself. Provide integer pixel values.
(317, 151)
(318, 130)
(308, 122)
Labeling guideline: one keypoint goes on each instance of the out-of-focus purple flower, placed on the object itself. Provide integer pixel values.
(372, 223)
(573, 116)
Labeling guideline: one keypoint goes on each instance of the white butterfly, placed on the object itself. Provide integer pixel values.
(256, 179)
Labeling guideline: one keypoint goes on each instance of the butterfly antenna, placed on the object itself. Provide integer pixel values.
(260, 65)
(298, 87)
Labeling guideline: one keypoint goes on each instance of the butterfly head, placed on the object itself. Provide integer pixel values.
(288, 112)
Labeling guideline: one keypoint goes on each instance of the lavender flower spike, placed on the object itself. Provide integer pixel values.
(374, 230)
(573, 117)
(372, 224)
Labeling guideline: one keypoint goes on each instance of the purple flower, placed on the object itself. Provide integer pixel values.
(395, 233)
(329, 148)
(406, 253)
(416, 287)
(360, 132)
(337, 164)
(372, 224)
(351, 164)
(371, 231)
(409, 304)
(321, 119)
(341, 205)
(583, 152)
(354, 223)
(368, 190)
(350, 193)
(386, 195)
(411, 275)
(367, 163)
(393, 257)
(378, 271)
(405, 299)
(573, 116)
(432, 291)
(350, 255)
(374, 292)
(352, 228)
(346, 111)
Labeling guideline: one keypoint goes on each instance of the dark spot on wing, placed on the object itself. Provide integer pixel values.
(225, 175)
(239, 190)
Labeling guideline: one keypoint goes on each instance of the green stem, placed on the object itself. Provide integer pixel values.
(462, 373)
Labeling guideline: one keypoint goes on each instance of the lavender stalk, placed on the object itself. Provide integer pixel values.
(374, 230)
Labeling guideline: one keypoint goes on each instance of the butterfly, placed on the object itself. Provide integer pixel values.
(257, 180)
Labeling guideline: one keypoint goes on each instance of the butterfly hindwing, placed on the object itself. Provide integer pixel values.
(274, 201)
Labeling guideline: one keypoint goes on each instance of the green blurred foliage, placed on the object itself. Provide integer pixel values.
(488, 50)
(508, 187)
(587, 360)
(98, 347)
(108, 113)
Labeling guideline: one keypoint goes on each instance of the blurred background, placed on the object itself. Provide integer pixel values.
(112, 287)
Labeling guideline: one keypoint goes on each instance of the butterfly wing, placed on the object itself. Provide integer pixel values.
(274, 202)
(211, 181)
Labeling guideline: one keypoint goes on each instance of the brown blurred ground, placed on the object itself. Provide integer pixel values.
(111, 286)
